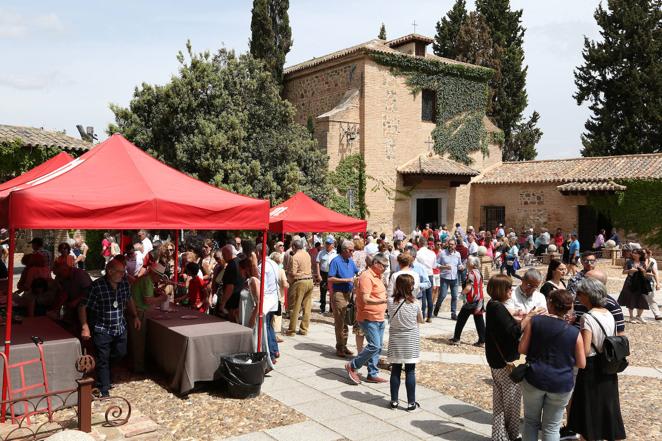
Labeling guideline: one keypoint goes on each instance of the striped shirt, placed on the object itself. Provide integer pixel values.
(611, 305)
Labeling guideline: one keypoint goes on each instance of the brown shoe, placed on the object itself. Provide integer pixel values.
(428, 320)
(376, 380)
(340, 353)
(353, 375)
(302, 333)
(290, 333)
(348, 352)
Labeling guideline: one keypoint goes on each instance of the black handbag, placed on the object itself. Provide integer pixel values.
(518, 373)
(615, 349)
(350, 311)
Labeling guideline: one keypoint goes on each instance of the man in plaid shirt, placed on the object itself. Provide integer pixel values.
(106, 301)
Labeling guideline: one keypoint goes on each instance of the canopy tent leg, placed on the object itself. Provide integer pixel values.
(176, 260)
(260, 304)
(10, 289)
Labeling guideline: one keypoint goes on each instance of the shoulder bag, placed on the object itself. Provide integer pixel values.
(615, 349)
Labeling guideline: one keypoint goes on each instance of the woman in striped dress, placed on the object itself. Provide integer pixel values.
(404, 339)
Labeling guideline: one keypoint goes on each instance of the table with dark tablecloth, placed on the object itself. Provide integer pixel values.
(190, 350)
(61, 350)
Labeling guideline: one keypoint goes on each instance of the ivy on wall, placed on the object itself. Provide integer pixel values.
(349, 175)
(462, 95)
(636, 210)
(16, 159)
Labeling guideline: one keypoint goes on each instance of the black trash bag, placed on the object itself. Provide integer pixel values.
(243, 374)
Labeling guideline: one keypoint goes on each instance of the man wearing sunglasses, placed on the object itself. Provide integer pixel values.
(588, 264)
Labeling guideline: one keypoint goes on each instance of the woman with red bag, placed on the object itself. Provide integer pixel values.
(474, 303)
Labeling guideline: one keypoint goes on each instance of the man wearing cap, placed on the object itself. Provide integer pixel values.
(323, 262)
(142, 292)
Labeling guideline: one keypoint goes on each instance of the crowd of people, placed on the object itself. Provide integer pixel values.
(368, 283)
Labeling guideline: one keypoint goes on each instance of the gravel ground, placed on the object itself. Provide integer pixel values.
(473, 384)
(439, 343)
(203, 415)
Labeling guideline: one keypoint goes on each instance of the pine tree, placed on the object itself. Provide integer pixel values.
(509, 98)
(382, 32)
(474, 43)
(271, 36)
(447, 30)
(621, 78)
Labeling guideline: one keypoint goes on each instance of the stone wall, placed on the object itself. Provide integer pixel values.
(528, 205)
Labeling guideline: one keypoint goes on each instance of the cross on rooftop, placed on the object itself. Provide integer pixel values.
(414, 25)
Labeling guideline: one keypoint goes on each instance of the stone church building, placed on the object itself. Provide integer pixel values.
(360, 106)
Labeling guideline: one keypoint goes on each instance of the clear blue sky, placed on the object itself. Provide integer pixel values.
(64, 62)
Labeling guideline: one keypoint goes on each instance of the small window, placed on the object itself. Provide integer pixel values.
(492, 216)
(429, 109)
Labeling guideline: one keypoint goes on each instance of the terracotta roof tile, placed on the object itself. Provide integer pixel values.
(35, 137)
(592, 169)
(407, 38)
(427, 164)
(375, 45)
(590, 186)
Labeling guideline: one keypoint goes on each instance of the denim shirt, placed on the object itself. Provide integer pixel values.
(452, 259)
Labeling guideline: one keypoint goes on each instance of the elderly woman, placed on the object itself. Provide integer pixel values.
(553, 348)
(503, 333)
(474, 303)
(596, 410)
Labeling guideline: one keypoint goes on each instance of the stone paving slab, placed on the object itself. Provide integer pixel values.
(356, 427)
(306, 431)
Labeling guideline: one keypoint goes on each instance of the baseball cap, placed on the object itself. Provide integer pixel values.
(330, 240)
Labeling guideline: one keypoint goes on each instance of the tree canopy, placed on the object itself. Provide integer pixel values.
(448, 28)
(621, 78)
(382, 32)
(271, 35)
(221, 119)
(492, 36)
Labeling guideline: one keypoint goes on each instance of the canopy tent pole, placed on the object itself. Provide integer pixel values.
(260, 304)
(10, 289)
(176, 259)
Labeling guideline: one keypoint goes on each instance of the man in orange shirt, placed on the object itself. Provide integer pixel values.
(370, 310)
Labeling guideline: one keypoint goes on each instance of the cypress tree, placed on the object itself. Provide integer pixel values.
(448, 29)
(621, 78)
(271, 35)
(382, 32)
(509, 98)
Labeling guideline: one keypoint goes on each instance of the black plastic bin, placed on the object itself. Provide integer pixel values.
(243, 374)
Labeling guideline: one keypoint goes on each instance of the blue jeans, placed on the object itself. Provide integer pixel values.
(109, 347)
(271, 335)
(410, 381)
(374, 335)
(443, 292)
(427, 300)
(544, 411)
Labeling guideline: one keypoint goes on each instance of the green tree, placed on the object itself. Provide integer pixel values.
(382, 32)
(221, 119)
(448, 28)
(621, 78)
(349, 176)
(474, 43)
(508, 97)
(271, 35)
(16, 158)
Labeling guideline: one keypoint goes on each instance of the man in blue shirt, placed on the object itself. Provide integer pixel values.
(450, 262)
(107, 299)
(573, 250)
(342, 271)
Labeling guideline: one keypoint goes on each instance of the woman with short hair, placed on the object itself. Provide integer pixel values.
(503, 333)
(474, 303)
(596, 410)
(553, 348)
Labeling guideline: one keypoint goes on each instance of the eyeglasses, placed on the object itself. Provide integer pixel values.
(590, 261)
(172, 250)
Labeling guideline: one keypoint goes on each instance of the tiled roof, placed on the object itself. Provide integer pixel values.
(35, 137)
(428, 164)
(375, 45)
(407, 38)
(592, 169)
(590, 186)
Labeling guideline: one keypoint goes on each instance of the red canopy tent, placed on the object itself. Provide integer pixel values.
(54, 163)
(301, 213)
(115, 185)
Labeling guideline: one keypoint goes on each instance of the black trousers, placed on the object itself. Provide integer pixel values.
(323, 290)
(462, 318)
